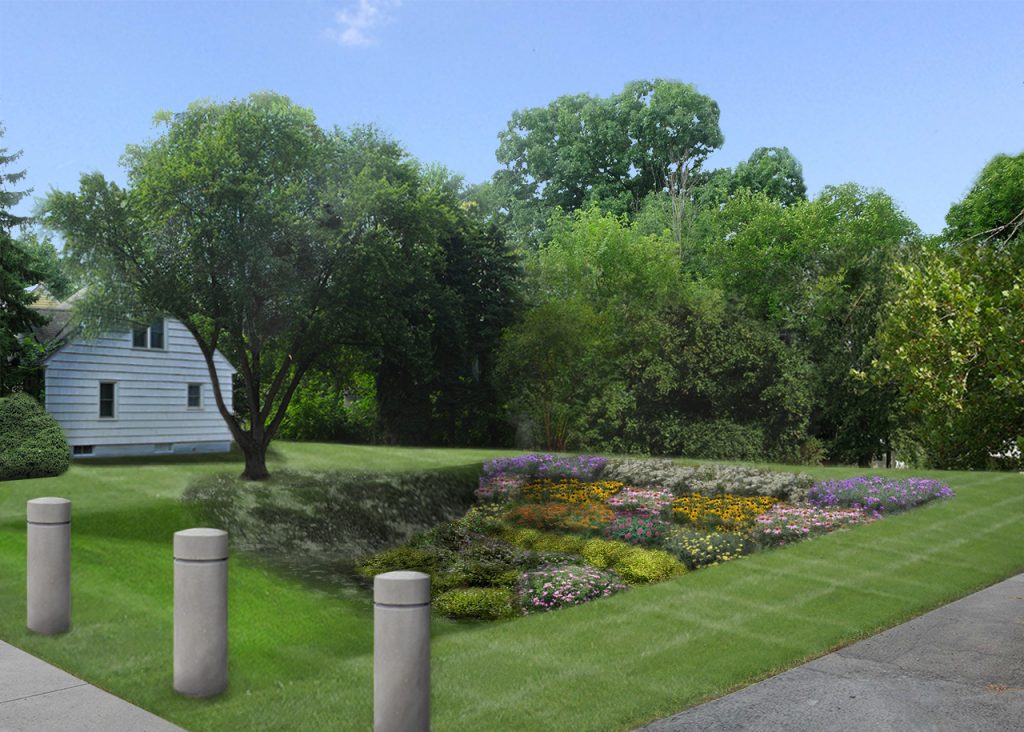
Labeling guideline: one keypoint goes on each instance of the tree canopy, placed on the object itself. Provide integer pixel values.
(953, 336)
(269, 238)
(609, 151)
(18, 272)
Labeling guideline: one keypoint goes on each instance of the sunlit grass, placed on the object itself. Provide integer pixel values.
(301, 656)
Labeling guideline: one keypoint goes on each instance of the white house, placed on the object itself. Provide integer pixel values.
(141, 391)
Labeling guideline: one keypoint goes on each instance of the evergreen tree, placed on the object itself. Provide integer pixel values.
(17, 273)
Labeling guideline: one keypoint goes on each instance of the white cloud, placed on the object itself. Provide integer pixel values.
(357, 22)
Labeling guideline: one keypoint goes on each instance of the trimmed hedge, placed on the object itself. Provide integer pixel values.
(32, 444)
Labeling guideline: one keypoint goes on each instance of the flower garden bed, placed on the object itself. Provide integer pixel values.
(549, 532)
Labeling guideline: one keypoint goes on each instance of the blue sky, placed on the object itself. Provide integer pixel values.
(910, 97)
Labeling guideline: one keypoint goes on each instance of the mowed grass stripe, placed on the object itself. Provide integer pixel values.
(725, 622)
(302, 658)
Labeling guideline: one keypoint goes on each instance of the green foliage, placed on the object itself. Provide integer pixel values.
(436, 379)
(32, 444)
(645, 566)
(477, 603)
(522, 536)
(539, 361)
(270, 239)
(335, 406)
(559, 543)
(484, 518)
(953, 337)
(18, 270)
(610, 152)
(774, 171)
(819, 272)
(408, 558)
(603, 553)
(55, 272)
(621, 354)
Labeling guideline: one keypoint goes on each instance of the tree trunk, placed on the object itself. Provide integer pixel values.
(255, 461)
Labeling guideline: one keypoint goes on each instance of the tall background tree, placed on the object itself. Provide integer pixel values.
(18, 272)
(270, 239)
(952, 339)
(606, 151)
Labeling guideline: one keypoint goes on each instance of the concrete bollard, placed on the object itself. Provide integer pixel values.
(200, 612)
(401, 652)
(49, 565)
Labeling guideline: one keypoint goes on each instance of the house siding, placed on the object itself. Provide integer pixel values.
(151, 412)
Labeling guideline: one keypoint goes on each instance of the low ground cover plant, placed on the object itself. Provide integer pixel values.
(786, 524)
(877, 494)
(701, 549)
(552, 587)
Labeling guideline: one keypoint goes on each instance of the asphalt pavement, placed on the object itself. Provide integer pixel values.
(956, 669)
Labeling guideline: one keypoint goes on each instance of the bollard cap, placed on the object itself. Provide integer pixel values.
(401, 588)
(201, 544)
(49, 511)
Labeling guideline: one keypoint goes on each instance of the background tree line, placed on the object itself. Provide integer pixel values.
(603, 291)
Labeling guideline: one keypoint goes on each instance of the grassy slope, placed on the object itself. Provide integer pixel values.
(302, 659)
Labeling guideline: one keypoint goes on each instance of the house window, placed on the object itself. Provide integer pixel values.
(151, 336)
(107, 394)
(82, 450)
(195, 396)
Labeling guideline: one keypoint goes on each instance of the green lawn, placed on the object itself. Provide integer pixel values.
(301, 656)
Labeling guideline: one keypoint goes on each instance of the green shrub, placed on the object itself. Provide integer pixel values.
(521, 536)
(484, 518)
(486, 561)
(32, 444)
(559, 543)
(480, 603)
(604, 553)
(327, 408)
(700, 549)
(407, 558)
(644, 566)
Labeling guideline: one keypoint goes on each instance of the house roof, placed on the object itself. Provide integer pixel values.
(58, 326)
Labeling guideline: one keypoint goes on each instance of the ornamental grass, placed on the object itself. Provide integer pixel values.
(721, 513)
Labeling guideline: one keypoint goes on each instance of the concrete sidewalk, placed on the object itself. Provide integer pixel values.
(37, 697)
(958, 668)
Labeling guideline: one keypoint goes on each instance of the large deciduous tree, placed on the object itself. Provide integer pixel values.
(820, 271)
(953, 337)
(270, 239)
(610, 151)
(774, 171)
